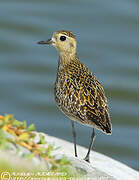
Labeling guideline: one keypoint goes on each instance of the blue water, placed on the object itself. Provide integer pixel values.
(108, 43)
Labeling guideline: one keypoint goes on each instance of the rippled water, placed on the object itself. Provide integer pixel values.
(108, 42)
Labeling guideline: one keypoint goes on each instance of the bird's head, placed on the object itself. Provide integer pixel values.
(64, 41)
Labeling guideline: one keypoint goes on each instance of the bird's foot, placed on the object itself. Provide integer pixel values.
(87, 159)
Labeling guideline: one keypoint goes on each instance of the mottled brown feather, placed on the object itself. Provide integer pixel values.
(80, 96)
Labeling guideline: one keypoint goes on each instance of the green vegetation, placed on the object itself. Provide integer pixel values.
(14, 132)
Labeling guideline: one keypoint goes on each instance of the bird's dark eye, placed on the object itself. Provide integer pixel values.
(62, 38)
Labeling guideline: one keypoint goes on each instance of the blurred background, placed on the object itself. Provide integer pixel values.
(108, 43)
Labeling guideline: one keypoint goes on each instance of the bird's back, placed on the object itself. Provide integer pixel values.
(81, 97)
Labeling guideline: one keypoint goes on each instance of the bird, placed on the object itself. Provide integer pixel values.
(78, 93)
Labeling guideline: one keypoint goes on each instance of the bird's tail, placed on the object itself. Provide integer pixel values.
(107, 126)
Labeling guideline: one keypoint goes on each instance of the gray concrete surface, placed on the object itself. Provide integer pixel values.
(107, 167)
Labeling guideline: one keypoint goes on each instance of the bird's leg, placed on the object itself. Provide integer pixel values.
(74, 137)
(90, 146)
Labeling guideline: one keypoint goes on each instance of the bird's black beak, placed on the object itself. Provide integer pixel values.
(49, 41)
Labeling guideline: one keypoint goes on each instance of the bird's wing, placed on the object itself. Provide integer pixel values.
(98, 112)
(92, 103)
(84, 98)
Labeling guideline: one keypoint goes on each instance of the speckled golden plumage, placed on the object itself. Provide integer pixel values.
(78, 93)
(81, 97)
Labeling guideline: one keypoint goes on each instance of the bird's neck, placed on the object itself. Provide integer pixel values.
(67, 58)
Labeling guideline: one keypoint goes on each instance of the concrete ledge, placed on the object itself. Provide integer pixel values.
(87, 171)
(101, 166)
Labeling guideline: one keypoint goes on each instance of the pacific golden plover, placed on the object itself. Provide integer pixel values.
(77, 91)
